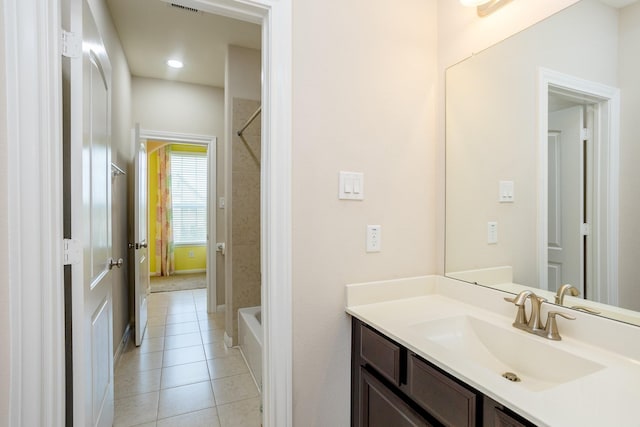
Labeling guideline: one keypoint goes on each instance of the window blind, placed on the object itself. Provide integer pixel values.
(189, 197)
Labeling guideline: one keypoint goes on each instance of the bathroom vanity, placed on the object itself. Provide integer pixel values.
(393, 386)
(431, 351)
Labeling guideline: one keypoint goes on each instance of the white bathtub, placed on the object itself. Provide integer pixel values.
(250, 340)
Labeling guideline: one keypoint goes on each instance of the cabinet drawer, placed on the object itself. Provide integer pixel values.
(380, 353)
(449, 402)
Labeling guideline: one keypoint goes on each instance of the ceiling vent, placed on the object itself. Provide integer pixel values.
(188, 9)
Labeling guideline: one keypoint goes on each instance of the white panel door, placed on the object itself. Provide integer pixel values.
(90, 155)
(565, 198)
(141, 258)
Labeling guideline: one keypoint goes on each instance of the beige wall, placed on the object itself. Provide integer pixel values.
(629, 268)
(5, 326)
(245, 223)
(364, 87)
(162, 105)
(243, 80)
(121, 152)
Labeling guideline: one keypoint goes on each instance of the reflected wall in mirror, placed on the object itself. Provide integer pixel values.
(532, 200)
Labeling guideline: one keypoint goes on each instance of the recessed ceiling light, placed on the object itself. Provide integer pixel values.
(174, 63)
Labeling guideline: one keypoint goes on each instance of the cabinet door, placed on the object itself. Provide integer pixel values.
(380, 407)
(496, 415)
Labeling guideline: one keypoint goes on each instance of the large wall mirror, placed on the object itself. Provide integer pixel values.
(543, 161)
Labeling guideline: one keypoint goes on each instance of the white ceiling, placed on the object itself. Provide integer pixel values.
(618, 3)
(152, 31)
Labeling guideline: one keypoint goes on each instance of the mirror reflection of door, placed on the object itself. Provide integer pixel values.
(570, 171)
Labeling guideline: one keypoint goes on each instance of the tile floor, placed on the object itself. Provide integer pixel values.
(182, 374)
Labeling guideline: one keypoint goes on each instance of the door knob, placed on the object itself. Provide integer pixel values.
(117, 263)
(141, 245)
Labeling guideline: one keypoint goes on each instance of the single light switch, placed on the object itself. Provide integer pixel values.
(348, 184)
(506, 192)
(351, 186)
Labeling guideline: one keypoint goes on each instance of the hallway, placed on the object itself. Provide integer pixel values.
(182, 374)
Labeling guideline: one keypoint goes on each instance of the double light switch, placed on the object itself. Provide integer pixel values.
(351, 186)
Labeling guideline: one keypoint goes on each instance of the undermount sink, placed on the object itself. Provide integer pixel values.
(537, 364)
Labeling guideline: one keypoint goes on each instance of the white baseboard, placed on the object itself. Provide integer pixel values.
(122, 345)
(179, 272)
(194, 271)
(221, 308)
(228, 341)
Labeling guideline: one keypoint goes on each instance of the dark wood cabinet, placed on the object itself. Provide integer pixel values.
(392, 386)
(380, 407)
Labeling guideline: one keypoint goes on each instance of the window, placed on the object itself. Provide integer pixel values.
(189, 197)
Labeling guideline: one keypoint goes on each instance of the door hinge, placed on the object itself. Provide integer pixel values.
(71, 251)
(70, 44)
(585, 229)
(585, 134)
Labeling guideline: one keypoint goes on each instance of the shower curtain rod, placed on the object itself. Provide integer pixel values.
(251, 119)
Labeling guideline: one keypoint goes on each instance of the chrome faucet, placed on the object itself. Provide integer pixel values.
(562, 291)
(533, 324)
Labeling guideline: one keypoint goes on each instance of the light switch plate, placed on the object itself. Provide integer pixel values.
(506, 192)
(351, 186)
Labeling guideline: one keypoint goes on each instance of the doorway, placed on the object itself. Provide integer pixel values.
(578, 185)
(197, 151)
(42, 376)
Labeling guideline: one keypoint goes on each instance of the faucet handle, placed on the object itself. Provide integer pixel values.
(521, 317)
(551, 327)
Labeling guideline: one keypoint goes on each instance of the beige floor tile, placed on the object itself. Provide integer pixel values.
(138, 409)
(156, 320)
(218, 349)
(184, 340)
(181, 308)
(151, 424)
(182, 328)
(180, 356)
(182, 318)
(136, 362)
(188, 373)
(150, 344)
(209, 324)
(244, 413)
(215, 335)
(132, 383)
(204, 418)
(157, 310)
(154, 332)
(231, 389)
(184, 399)
(227, 366)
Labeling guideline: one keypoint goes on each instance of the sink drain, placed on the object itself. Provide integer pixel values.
(511, 377)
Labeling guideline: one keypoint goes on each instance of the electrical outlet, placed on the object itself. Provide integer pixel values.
(492, 232)
(374, 238)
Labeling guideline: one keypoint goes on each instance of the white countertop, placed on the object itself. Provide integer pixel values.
(603, 398)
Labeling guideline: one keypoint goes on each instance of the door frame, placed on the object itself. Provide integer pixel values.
(32, 74)
(211, 143)
(606, 131)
